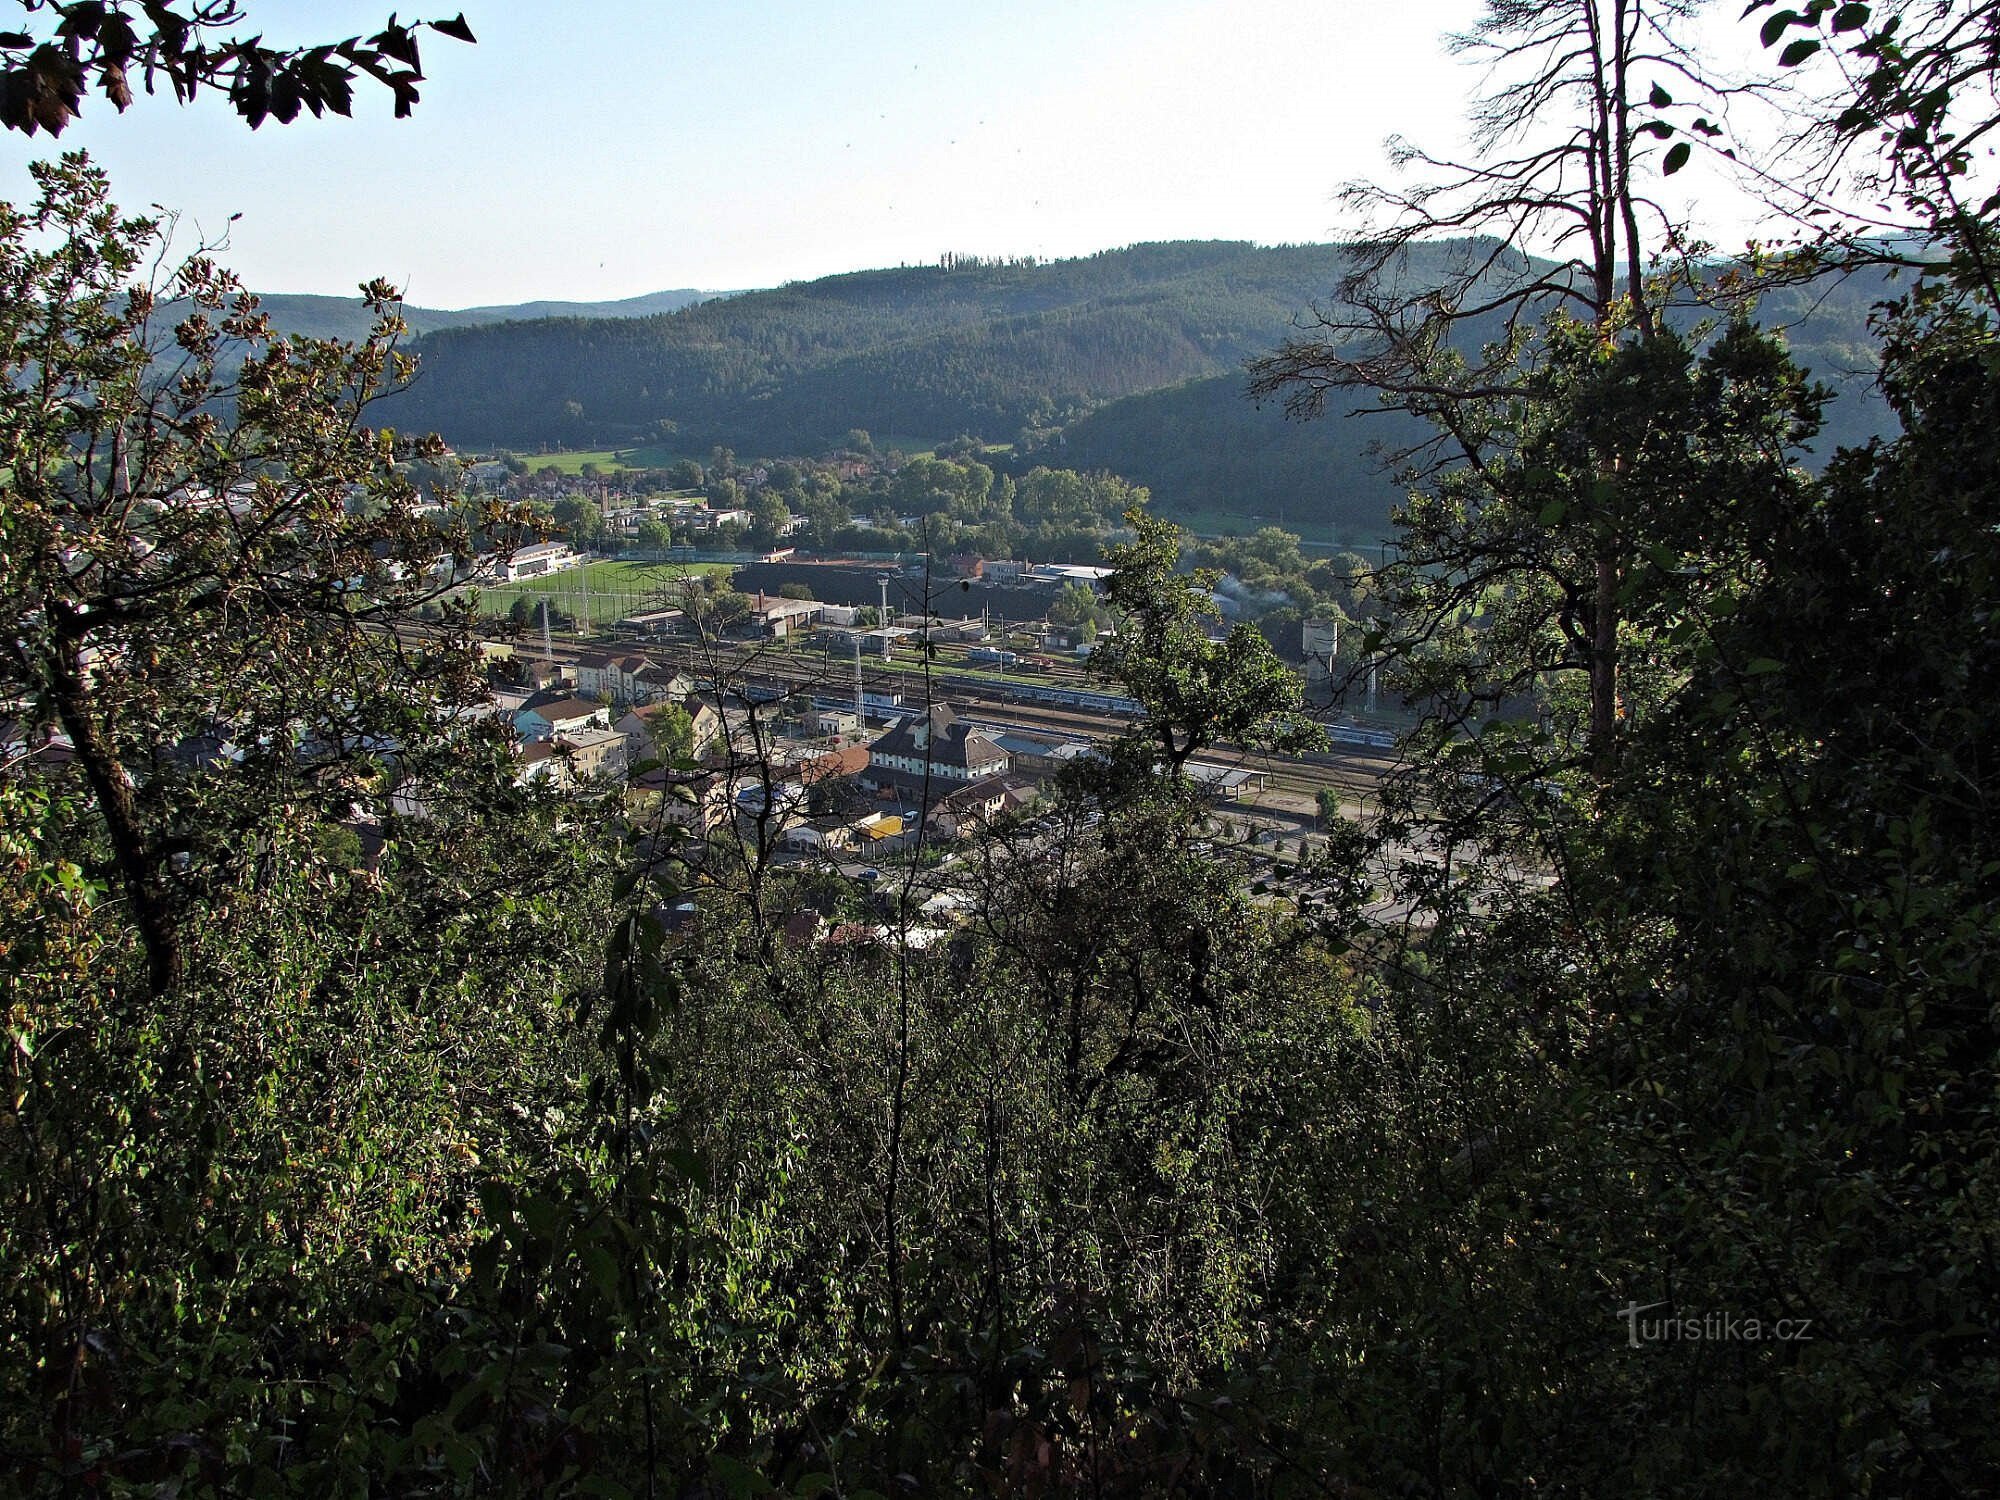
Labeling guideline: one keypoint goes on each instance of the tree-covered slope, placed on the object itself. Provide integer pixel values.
(1207, 452)
(974, 346)
(1211, 455)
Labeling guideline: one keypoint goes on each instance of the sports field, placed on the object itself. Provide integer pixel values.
(614, 589)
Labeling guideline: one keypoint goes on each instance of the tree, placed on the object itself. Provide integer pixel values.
(769, 516)
(1196, 690)
(67, 47)
(1075, 604)
(580, 520)
(159, 546)
(1493, 604)
(718, 610)
(1897, 115)
(1327, 800)
(1561, 159)
(673, 732)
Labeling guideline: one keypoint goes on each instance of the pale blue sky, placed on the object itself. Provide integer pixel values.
(611, 147)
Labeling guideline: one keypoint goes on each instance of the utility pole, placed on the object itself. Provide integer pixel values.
(583, 571)
(883, 618)
(548, 649)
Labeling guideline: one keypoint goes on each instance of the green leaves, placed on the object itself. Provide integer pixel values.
(1676, 158)
(1777, 24)
(1197, 690)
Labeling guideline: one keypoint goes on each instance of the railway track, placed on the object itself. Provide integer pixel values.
(1349, 768)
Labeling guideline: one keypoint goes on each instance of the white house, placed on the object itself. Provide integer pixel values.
(561, 716)
(539, 561)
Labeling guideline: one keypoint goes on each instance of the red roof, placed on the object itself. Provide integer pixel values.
(847, 761)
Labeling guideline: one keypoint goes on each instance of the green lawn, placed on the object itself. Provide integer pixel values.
(617, 460)
(610, 460)
(616, 588)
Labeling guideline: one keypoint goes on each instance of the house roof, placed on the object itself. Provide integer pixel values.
(1027, 744)
(980, 793)
(846, 761)
(659, 778)
(562, 709)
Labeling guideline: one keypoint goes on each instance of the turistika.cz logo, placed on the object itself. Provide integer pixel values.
(1707, 1328)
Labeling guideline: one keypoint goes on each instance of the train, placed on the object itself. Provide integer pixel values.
(1355, 734)
(1067, 697)
(989, 656)
(879, 703)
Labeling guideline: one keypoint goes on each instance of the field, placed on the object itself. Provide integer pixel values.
(616, 588)
(610, 460)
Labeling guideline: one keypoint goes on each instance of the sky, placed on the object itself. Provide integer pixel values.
(610, 148)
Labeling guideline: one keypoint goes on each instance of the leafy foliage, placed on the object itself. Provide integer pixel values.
(48, 69)
(1196, 689)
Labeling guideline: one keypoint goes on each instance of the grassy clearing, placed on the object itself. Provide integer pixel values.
(610, 460)
(616, 588)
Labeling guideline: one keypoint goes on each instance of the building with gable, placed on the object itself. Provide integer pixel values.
(951, 750)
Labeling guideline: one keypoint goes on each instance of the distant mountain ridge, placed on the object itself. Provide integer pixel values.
(318, 316)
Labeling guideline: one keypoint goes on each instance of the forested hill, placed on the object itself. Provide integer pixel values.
(980, 347)
(348, 318)
(1218, 462)
(1129, 360)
